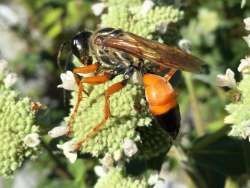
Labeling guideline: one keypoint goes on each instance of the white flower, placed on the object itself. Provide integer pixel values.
(247, 23)
(185, 45)
(247, 39)
(164, 172)
(58, 131)
(107, 161)
(69, 150)
(10, 80)
(3, 65)
(100, 170)
(247, 133)
(153, 178)
(244, 66)
(98, 8)
(31, 140)
(129, 147)
(117, 155)
(226, 80)
(146, 6)
(68, 81)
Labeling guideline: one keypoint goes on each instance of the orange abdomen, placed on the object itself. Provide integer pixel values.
(159, 93)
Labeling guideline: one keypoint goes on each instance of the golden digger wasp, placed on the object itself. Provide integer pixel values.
(118, 52)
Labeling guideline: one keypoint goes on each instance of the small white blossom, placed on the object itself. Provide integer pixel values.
(244, 66)
(107, 161)
(3, 65)
(164, 172)
(129, 147)
(185, 45)
(68, 81)
(10, 80)
(100, 170)
(98, 8)
(247, 39)
(31, 140)
(146, 6)
(153, 178)
(69, 150)
(58, 131)
(226, 80)
(247, 23)
(247, 133)
(117, 155)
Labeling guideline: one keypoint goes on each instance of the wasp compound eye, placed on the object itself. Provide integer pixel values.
(80, 45)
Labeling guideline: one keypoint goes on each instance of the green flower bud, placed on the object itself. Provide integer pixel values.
(18, 134)
(117, 178)
(239, 112)
(130, 16)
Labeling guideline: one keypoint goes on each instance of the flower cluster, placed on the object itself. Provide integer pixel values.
(116, 178)
(18, 133)
(131, 132)
(127, 132)
(239, 115)
(145, 17)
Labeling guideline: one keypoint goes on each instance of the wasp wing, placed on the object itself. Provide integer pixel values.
(153, 51)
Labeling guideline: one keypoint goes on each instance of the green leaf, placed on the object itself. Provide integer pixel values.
(217, 156)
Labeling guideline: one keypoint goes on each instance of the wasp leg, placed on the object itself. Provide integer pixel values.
(107, 94)
(86, 69)
(170, 73)
(99, 79)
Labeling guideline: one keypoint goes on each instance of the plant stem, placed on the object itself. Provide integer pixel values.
(62, 170)
(194, 105)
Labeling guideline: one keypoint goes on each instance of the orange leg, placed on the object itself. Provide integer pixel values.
(86, 69)
(170, 73)
(99, 79)
(110, 91)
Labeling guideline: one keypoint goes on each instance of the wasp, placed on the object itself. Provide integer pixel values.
(118, 52)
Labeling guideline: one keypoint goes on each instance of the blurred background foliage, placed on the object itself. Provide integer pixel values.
(31, 33)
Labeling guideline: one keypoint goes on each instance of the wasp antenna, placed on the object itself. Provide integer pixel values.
(59, 54)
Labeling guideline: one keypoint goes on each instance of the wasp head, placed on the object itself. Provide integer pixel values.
(80, 46)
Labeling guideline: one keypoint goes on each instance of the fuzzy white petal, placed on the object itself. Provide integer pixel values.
(107, 161)
(58, 131)
(147, 6)
(185, 45)
(244, 66)
(153, 178)
(71, 156)
(10, 80)
(247, 39)
(31, 140)
(129, 147)
(68, 81)
(226, 80)
(98, 8)
(247, 23)
(69, 150)
(100, 171)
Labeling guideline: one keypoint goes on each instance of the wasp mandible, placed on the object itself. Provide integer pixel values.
(118, 52)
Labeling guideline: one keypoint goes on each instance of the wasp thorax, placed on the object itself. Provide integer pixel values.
(80, 46)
